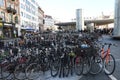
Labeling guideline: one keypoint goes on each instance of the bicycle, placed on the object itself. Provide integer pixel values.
(108, 59)
(96, 60)
(38, 66)
(64, 66)
(5, 63)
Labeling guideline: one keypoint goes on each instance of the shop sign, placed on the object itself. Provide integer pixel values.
(8, 24)
(1, 24)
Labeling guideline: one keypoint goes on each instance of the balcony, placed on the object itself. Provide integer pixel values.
(9, 9)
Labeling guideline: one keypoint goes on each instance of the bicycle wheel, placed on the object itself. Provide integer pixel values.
(78, 65)
(33, 71)
(70, 67)
(86, 65)
(66, 69)
(54, 68)
(109, 65)
(6, 71)
(96, 65)
(0, 73)
(19, 72)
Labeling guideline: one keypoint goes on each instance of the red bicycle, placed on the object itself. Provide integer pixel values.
(109, 63)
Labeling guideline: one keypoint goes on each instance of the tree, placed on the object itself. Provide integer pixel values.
(59, 28)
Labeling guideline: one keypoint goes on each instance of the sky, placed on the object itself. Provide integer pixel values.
(65, 10)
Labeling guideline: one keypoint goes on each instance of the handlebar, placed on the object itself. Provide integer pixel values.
(110, 44)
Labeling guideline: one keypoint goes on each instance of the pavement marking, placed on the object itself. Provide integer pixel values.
(112, 77)
(65, 78)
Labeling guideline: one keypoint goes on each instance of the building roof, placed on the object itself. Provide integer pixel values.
(48, 16)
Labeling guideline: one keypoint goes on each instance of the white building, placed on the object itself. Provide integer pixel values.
(49, 22)
(28, 14)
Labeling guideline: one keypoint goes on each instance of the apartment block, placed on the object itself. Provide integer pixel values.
(9, 18)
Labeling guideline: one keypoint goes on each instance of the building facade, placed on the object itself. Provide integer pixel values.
(49, 22)
(29, 14)
(40, 19)
(9, 15)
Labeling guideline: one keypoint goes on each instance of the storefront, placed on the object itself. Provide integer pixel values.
(8, 30)
(27, 29)
(1, 26)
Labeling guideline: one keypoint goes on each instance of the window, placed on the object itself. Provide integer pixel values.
(12, 5)
(27, 2)
(28, 8)
(28, 16)
(17, 9)
(32, 18)
(3, 16)
(24, 0)
(10, 17)
(22, 6)
(8, 4)
(33, 1)
(22, 14)
(16, 19)
(1, 3)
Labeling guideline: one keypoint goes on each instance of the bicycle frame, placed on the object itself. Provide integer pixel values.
(105, 54)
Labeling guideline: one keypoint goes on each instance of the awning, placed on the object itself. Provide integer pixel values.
(28, 28)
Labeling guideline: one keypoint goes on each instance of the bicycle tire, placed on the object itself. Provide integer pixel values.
(0, 72)
(78, 65)
(86, 65)
(54, 68)
(66, 70)
(19, 72)
(33, 71)
(71, 67)
(96, 65)
(6, 70)
(111, 70)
